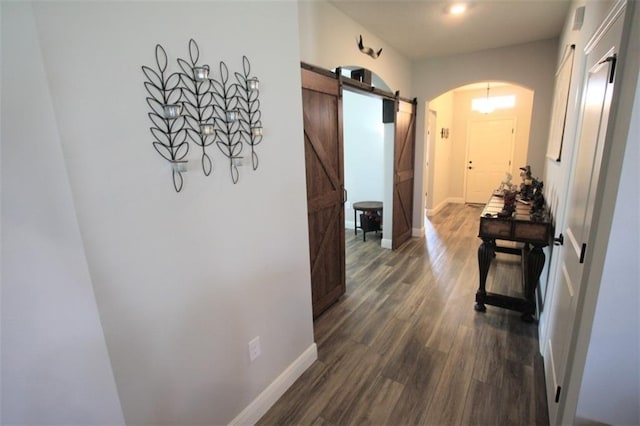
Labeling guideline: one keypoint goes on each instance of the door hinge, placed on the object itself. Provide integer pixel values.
(513, 130)
(558, 389)
(583, 252)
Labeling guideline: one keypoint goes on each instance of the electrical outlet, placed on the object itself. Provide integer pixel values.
(254, 348)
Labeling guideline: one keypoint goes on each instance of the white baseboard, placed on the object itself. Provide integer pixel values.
(417, 232)
(385, 243)
(263, 402)
(434, 211)
(443, 204)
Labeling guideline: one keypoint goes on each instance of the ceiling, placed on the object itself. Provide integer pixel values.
(423, 29)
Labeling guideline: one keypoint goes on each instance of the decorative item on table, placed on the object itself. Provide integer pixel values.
(538, 206)
(505, 186)
(526, 189)
(509, 206)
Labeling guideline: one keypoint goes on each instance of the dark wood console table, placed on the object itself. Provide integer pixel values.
(519, 228)
(366, 207)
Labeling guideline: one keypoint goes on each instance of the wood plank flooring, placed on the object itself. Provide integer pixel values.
(404, 346)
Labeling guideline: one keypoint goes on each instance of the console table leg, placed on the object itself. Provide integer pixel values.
(535, 264)
(486, 252)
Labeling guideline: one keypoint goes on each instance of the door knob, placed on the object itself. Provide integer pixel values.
(559, 240)
(470, 167)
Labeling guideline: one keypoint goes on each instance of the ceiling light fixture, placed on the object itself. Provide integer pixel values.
(457, 8)
(489, 104)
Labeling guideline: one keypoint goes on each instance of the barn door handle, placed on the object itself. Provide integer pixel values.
(344, 195)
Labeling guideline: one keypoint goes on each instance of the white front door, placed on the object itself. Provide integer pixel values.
(582, 192)
(489, 156)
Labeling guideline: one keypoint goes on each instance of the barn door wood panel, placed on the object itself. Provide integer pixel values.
(403, 156)
(322, 110)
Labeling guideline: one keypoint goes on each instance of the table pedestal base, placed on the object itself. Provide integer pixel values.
(532, 264)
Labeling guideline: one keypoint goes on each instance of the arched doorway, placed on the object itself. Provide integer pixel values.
(463, 137)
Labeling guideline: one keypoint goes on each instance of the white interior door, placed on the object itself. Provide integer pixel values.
(562, 316)
(489, 156)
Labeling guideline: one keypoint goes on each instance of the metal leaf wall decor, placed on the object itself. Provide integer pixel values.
(250, 119)
(189, 106)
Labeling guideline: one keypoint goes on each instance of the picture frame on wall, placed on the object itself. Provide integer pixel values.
(560, 104)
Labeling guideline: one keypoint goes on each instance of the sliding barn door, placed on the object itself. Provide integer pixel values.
(322, 110)
(403, 154)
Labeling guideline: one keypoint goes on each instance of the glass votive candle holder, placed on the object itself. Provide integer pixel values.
(253, 83)
(179, 166)
(201, 73)
(256, 131)
(232, 115)
(172, 110)
(207, 129)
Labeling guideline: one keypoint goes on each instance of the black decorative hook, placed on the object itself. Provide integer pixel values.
(368, 50)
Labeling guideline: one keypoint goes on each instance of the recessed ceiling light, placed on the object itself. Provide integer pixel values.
(457, 8)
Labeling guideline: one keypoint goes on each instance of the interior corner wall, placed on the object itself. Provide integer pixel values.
(531, 65)
(182, 281)
(55, 366)
(328, 39)
(441, 161)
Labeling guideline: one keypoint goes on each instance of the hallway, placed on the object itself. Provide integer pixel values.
(405, 346)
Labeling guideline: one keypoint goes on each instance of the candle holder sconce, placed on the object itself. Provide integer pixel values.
(249, 106)
(197, 99)
(226, 119)
(168, 128)
(191, 106)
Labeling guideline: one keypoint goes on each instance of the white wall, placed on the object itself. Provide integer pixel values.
(328, 39)
(531, 65)
(55, 365)
(438, 193)
(181, 281)
(387, 216)
(363, 138)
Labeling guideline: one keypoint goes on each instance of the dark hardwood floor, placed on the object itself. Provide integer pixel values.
(404, 346)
